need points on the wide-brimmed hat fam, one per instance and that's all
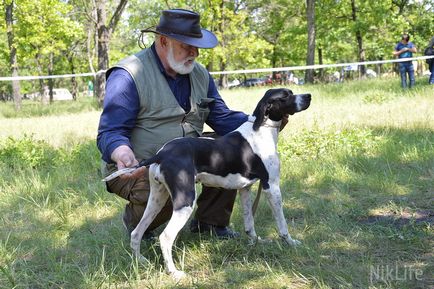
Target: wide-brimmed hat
(184, 25)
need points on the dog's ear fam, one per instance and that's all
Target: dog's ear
(261, 109)
(260, 113)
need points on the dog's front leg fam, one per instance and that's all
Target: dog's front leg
(249, 223)
(274, 197)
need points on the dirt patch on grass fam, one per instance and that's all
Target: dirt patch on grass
(400, 218)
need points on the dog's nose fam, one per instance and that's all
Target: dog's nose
(305, 98)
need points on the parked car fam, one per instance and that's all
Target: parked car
(59, 94)
(234, 83)
(249, 82)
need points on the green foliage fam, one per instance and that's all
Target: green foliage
(32, 108)
(317, 144)
(43, 27)
(377, 97)
(26, 152)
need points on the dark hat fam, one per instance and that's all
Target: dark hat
(184, 25)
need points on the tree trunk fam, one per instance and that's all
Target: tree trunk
(320, 61)
(73, 79)
(310, 59)
(12, 55)
(50, 72)
(44, 100)
(103, 47)
(104, 33)
(359, 39)
(223, 79)
(274, 61)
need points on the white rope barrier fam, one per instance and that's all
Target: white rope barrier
(318, 66)
(258, 70)
(9, 78)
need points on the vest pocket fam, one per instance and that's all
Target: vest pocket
(203, 113)
(203, 108)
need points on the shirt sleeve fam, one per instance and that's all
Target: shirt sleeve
(120, 109)
(221, 119)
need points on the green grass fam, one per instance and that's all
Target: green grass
(32, 108)
(357, 179)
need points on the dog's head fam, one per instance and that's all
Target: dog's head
(276, 103)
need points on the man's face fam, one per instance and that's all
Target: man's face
(181, 56)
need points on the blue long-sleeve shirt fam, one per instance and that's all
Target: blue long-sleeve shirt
(121, 106)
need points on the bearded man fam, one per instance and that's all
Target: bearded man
(154, 96)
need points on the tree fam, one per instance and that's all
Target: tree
(44, 32)
(104, 34)
(282, 24)
(310, 59)
(9, 8)
(359, 38)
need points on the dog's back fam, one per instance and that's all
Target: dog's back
(227, 162)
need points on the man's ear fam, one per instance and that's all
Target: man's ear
(164, 42)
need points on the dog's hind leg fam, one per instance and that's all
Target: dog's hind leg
(274, 197)
(249, 223)
(179, 178)
(167, 238)
(157, 199)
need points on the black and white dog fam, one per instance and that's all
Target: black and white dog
(234, 161)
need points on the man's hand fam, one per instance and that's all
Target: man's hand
(125, 158)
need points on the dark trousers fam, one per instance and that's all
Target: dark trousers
(404, 69)
(214, 205)
(431, 69)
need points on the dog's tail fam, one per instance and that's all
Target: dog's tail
(148, 162)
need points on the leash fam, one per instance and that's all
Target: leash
(258, 196)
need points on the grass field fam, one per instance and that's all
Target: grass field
(358, 185)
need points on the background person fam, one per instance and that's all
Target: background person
(430, 51)
(405, 49)
(154, 96)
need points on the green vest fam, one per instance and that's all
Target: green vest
(161, 118)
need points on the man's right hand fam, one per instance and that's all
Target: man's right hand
(124, 157)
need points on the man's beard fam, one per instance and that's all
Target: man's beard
(180, 67)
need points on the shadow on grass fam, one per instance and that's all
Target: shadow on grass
(341, 204)
(62, 229)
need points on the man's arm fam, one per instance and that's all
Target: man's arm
(412, 48)
(121, 105)
(398, 51)
(221, 119)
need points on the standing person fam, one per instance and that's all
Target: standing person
(154, 96)
(405, 49)
(430, 51)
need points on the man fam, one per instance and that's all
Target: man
(405, 49)
(154, 96)
(429, 51)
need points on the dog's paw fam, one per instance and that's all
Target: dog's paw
(252, 241)
(264, 241)
(178, 275)
(141, 259)
(291, 242)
